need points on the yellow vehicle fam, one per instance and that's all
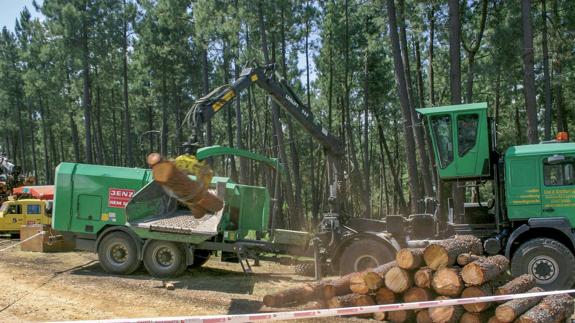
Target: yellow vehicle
(16, 213)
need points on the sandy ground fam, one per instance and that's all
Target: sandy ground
(72, 286)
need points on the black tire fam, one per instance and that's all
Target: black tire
(363, 254)
(200, 258)
(118, 254)
(551, 262)
(306, 269)
(165, 258)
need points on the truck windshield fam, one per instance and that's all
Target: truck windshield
(441, 129)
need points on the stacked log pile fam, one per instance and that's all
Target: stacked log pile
(446, 269)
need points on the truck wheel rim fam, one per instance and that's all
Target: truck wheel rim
(365, 262)
(164, 257)
(118, 253)
(544, 268)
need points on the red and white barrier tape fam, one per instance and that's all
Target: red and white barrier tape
(299, 315)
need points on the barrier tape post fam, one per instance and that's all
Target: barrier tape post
(294, 315)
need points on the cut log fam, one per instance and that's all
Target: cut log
(313, 305)
(554, 308)
(379, 316)
(519, 284)
(351, 300)
(511, 310)
(423, 277)
(469, 317)
(444, 253)
(303, 294)
(337, 287)
(494, 319)
(477, 291)
(357, 284)
(423, 317)
(465, 258)
(398, 280)
(399, 316)
(447, 282)
(483, 270)
(409, 259)
(375, 278)
(417, 294)
(445, 314)
(384, 296)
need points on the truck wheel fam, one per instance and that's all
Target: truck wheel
(165, 258)
(118, 254)
(200, 258)
(364, 254)
(551, 262)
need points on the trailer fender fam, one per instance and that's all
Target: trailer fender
(382, 238)
(555, 228)
(138, 240)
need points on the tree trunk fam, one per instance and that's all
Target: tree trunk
(484, 269)
(518, 285)
(395, 173)
(409, 258)
(472, 51)
(445, 314)
(86, 99)
(553, 308)
(33, 140)
(366, 196)
(477, 291)
(398, 280)
(447, 281)
(44, 120)
(164, 131)
(127, 117)
(529, 90)
(205, 91)
(509, 311)
(405, 108)
(444, 253)
(546, 76)
(423, 277)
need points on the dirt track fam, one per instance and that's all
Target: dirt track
(72, 286)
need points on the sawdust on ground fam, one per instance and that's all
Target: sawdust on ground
(72, 286)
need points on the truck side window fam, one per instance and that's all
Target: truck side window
(561, 174)
(441, 128)
(33, 209)
(466, 132)
(14, 209)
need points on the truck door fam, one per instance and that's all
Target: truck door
(558, 198)
(14, 216)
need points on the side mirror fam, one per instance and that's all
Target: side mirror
(555, 159)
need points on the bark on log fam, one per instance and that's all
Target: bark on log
(305, 293)
(477, 291)
(494, 319)
(484, 269)
(409, 259)
(399, 316)
(398, 280)
(357, 284)
(509, 311)
(352, 300)
(423, 277)
(423, 317)
(444, 253)
(447, 282)
(554, 308)
(417, 294)
(469, 317)
(374, 278)
(336, 287)
(384, 296)
(465, 258)
(445, 314)
(519, 284)
(313, 305)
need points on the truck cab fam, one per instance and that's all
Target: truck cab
(532, 189)
(15, 213)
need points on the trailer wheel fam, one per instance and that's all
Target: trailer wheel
(118, 254)
(364, 254)
(200, 258)
(165, 258)
(551, 262)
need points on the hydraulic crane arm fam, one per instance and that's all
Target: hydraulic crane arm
(206, 107)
